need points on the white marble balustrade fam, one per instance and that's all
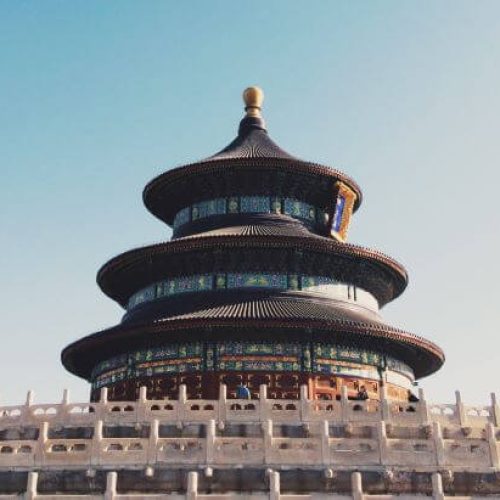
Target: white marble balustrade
(260, 410)
(317, 448)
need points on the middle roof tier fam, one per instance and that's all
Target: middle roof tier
(291, 257)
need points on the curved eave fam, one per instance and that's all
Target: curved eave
(156, 191)
(80, 357)
(126, 262)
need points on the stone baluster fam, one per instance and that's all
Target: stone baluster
(44, 432)
(31, 486)
(192, 486)
(111, 480)
(325, 442)
(102, 407)
(495, 410)
(345, 404)
(141, 405)
(423, 408)
(181, 405)
(103, 397)
(97, 443)
(438, 443)
(274, 485)
(98, 427)
(222, 405)
(262, 402)
(460, 409)
(30, 397)
(210, 442)
(62, 411)
(26, 412)
(267, 428)
(492, 443)
(437, 486)
(385, 405)
(154, 435)
(305, 403)
(182, 397)
(382, 442)
(357, 486)
(43, 436)
(65, 398)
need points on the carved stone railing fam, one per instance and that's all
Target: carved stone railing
(317, 448)
(272, 435)
(225, 410)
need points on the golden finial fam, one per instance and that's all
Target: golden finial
(253, 98)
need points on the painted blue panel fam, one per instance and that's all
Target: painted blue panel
(182, 217)
(255, 204)
(233, 205)
(299, 209)
(250, 204)
(339, 212)
(241, 280)
(276, 207)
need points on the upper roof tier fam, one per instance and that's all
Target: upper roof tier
(252, 165)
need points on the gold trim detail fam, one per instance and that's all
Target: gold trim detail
(253, 98)
(349, 196)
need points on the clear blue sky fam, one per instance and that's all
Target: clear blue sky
(96, 98)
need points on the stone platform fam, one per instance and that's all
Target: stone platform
(263, 448)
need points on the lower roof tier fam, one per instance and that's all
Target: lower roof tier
(231, 251)
(275, 318)
(174, 358)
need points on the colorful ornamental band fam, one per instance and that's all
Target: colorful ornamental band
(251, 204)
(311, 357)
(336, 224)
(210, 282)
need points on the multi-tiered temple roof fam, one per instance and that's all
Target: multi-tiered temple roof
(258, 285)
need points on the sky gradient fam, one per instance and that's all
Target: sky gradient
(97, 98)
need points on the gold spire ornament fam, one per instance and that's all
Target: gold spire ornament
(253, 98)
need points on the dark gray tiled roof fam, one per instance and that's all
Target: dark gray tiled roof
(256, 305)
(297, 316)
(255, 143)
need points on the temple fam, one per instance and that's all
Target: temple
(252, 361)
(258, 286)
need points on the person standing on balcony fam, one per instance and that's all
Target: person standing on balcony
(362, 393)
(242, 392)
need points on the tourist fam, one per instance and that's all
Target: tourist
(362, 393)
(242, 392)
